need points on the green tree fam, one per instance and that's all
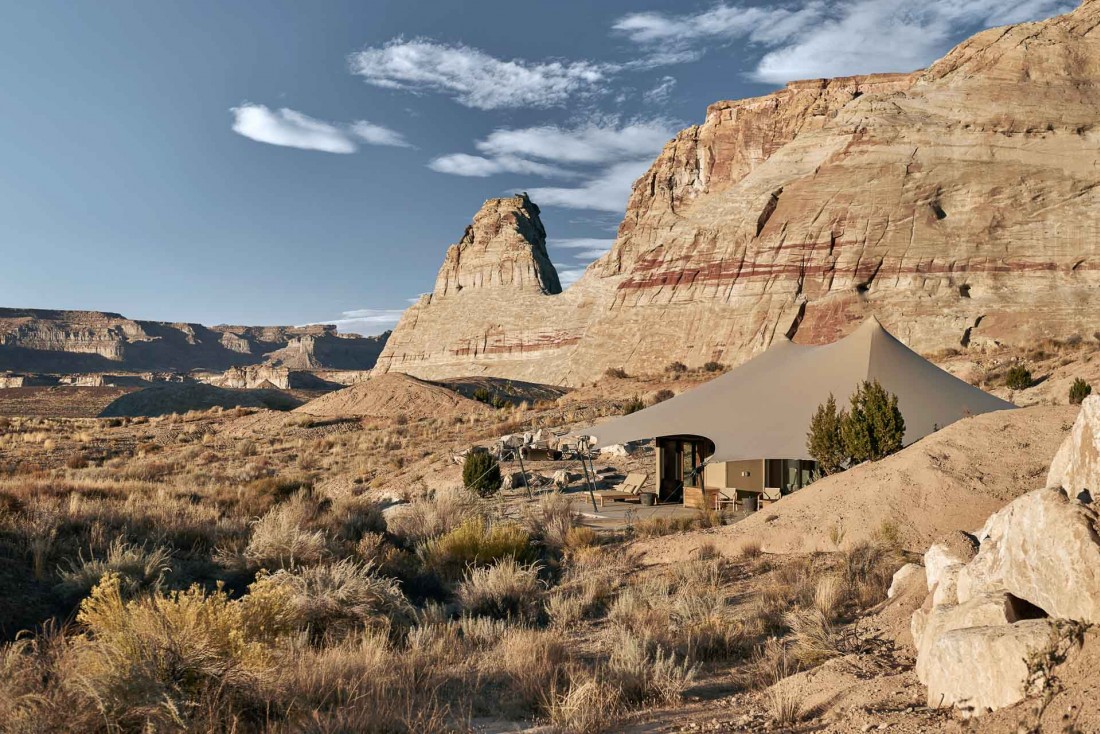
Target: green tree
(824, 441)
(873, 428)
(481, 473)
(1078, 391)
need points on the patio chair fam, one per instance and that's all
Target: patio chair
(628, 491)
(770, 495)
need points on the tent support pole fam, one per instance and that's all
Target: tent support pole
(523, 472)
(589, 482)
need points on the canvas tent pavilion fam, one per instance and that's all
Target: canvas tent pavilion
(744, 433)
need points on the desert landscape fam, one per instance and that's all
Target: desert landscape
(299, 529)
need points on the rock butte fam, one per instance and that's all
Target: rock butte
(957, 203)
(94, 341)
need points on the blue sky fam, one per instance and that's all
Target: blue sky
(298, 162)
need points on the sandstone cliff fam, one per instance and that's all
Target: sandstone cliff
(38, 340)
(957, 203)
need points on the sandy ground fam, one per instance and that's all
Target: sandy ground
(389, 395)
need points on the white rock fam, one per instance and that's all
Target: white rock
(984, 667)
(563, 478)
(1076, 466)
(946, 591)
(987, 610)
(1043, 548)
(902, 577)
(617, 449)
(954, 548)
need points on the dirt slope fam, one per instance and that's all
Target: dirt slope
(390, 394)
(951, 480)
(180, 398)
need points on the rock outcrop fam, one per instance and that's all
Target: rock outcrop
(67, 342)
(1036, 573)
(1076, 466)
(959, 204)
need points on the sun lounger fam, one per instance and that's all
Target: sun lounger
(628, 491)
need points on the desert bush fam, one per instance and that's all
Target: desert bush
(587, 706)
(633, 405)
(531, 662)
(351, 517)
(482, 633)
(157, 662)
(552, 520)
(813, 640)
(476, 543)
(368, 684)
(647, 674)
(428, 517)
(873, 427)
(278, 488)
(784, 700)
(827, 597)
(661, 396)
(135, 566)
(617, 373)
(506, 590)
(1078, 391)
(713, 367)
(281, 540)
(824, 441)
(76, 461)
(1018, 377)
(866, 570)
(481, 473)
(333, 600)
(749, 549)
(676, 368)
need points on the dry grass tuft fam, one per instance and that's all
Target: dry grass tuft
(281, 540)
(136, 567)
(587, 706)
(507, 590)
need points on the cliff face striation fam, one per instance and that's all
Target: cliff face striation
(958, 204)
(38, 340)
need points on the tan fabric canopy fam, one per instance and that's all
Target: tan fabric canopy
(762, 409)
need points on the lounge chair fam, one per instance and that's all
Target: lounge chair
(628, 491)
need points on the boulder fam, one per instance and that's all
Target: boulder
(512, 480)
(988, 610)
(984, 667)
(1042, 548)
(1076, 466)
(905, 576)
(618, 449)
(563, 478)
(952, 550)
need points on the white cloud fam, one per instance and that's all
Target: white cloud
(580, 243)
(289, 128)
(596, 142)
(587, 248)
(462, 164)
(374, 134)
(822, 38)
(881, 35)
(590, 254)
(569, 276)
(293, 129)
(660, 93)
(474, 78)
(365, 320)
(606, 191)
(605, 155)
